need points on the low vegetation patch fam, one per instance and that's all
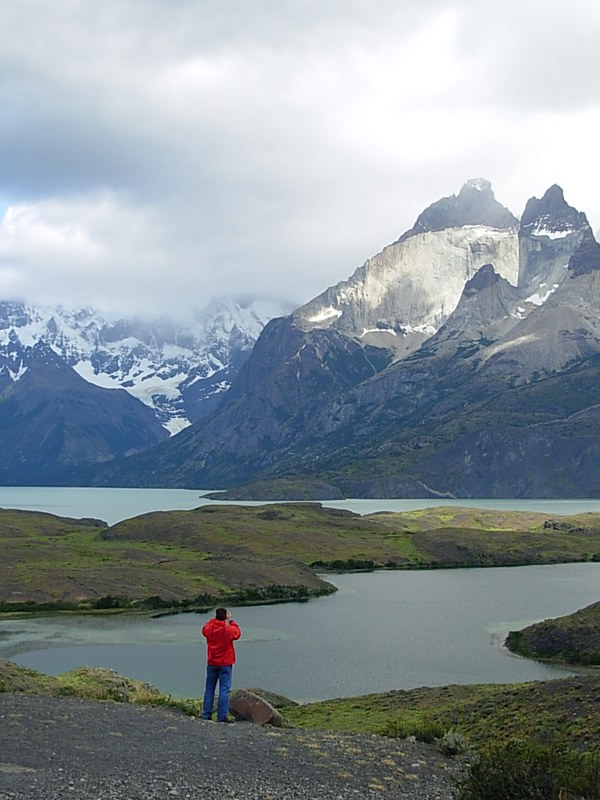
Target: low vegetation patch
(566, 710)
(92, 683)
(520, 770)
(270, 553)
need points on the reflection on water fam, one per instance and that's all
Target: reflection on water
(380, 631)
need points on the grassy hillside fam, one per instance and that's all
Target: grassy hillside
(324, 538)
(92, 683)
(49, 562)
(566, 710)
(261, 553)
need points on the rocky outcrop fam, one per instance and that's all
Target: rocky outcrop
(475, 204)
(249, 707)
(551, 232)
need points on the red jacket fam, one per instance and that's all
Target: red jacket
(220, 637)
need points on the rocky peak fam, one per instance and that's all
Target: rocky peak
(551, 233)
(475, 204)
(483, 314)
(483, 279)
(551, 216)
(13, 314)
(402, 295)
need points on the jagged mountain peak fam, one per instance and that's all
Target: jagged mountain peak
(551, 233)
(402, 295)
(484, 313)
(475, 204)
(483, 279)
(551, 215)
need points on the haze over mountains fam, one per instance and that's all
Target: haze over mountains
(462, 360)
(59, 368)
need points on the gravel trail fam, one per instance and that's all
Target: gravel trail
(54, 748)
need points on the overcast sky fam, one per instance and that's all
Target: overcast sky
(155, 153)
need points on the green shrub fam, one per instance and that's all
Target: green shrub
(423, 730)
(522, 770)
(452, 743)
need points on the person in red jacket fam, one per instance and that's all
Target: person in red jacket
(220, 633)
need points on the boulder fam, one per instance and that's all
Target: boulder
(250, 707)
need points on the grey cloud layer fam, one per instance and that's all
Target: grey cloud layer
(156, 153)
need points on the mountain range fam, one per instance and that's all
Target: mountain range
(60, 367)
(460, 361)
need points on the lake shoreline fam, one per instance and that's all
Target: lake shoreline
(116, 504)
(424, 614)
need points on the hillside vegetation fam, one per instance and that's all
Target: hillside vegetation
(572, 639)
(564, 710)
(260, 553)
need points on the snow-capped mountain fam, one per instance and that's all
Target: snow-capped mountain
(461, 360)
(179, 369)
(498, 398)
(401, 296)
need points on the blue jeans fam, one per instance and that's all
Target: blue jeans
(223, 675)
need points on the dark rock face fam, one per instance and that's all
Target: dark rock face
(53, 424)
(587, 256)
(553, 211)
(551, 233)
(475, 204)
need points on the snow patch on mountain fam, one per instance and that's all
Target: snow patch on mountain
(538, 299)
(366, 331)
(542, 230)
(326, 315)
(17, 374)
(479, 184)
(167, 365)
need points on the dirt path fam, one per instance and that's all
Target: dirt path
(56, 748)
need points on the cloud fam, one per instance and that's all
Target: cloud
(155, 154)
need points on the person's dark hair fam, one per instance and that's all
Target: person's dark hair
(221, 613)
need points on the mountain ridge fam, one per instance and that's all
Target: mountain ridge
(396, 429)
(462, 360)
(78, 389)
(179, 369)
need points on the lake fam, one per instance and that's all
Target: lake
(380, 631)
(114, 505)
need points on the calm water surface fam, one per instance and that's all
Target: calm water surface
(380, 631)
(114, 505)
